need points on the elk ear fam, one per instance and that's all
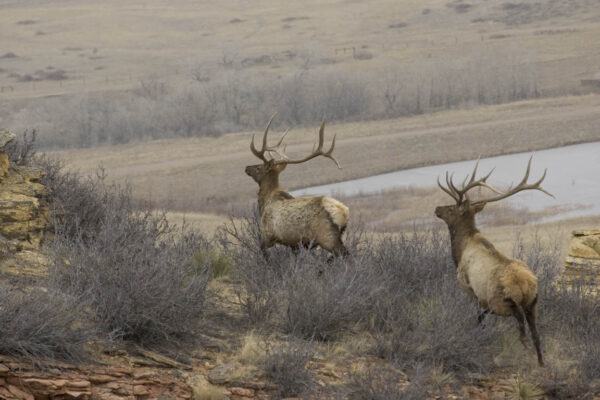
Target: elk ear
(478, 207)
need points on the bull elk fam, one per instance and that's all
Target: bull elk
(503, 286)
(306, 221)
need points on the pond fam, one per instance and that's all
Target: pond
(573, 177)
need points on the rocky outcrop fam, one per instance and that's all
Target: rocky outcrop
(583, 260)
(56, 380)
(19, 381)
(24, 215)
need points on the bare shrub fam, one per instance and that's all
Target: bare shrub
(398, 289)
(285, 364)
(434, 330)
(325, 299)
(257, 295)
(363, 55)
(235, 100)
(137, 273)
(79, 203)
(138, 277)
(399, 25)
(460, 7)
(426, 317)
(40, 324)
(42, 75)
(568, 312)
(301, 293)
(482, 78)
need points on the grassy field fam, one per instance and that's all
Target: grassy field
(110, 45)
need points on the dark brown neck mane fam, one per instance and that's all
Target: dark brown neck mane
(460, 232)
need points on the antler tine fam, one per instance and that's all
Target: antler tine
(444, 189)
(452, 188)
(321, 134)
(318, 150)
(541, 189)
(259, 154)
(265, 148)
(474, 172)
(330, 156)
(264, 144)
(523, 185)
(470, 181)
(459, 193)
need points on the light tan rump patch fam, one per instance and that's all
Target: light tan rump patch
(338, 212)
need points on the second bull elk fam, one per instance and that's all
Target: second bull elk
(306, 221)
(503, 286)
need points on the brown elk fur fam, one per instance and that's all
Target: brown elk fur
(501, 285)
(306, 221)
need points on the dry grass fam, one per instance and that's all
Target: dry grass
(97, 43)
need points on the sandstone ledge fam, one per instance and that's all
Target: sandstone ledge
(19, 381)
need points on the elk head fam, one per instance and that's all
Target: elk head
(465, 209)
(268, 171)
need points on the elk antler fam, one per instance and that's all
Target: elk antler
(317, 151)
(270, 149)
(523, 185)
(459, 194)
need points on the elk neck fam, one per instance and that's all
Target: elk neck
(269, 189)
(461, 232)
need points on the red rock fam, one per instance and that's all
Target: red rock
(40, 384)
(111, 385)
(124, 390)
(81, 384)
(241, 391)
(140, 390)
(59, 382)
(5, 394)
(146, 382)
(236, 397)
(143, 374)
(120, 371)
(77, 394)
(20, 394)
(101, 378)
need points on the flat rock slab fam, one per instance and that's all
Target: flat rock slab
(222, 373)
(585, 244)
(6, 137)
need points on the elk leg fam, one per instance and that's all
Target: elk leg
(482, 315)
(340, 250)
(530, 315)
(520, 319)
(295, 250)
(264, 245)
